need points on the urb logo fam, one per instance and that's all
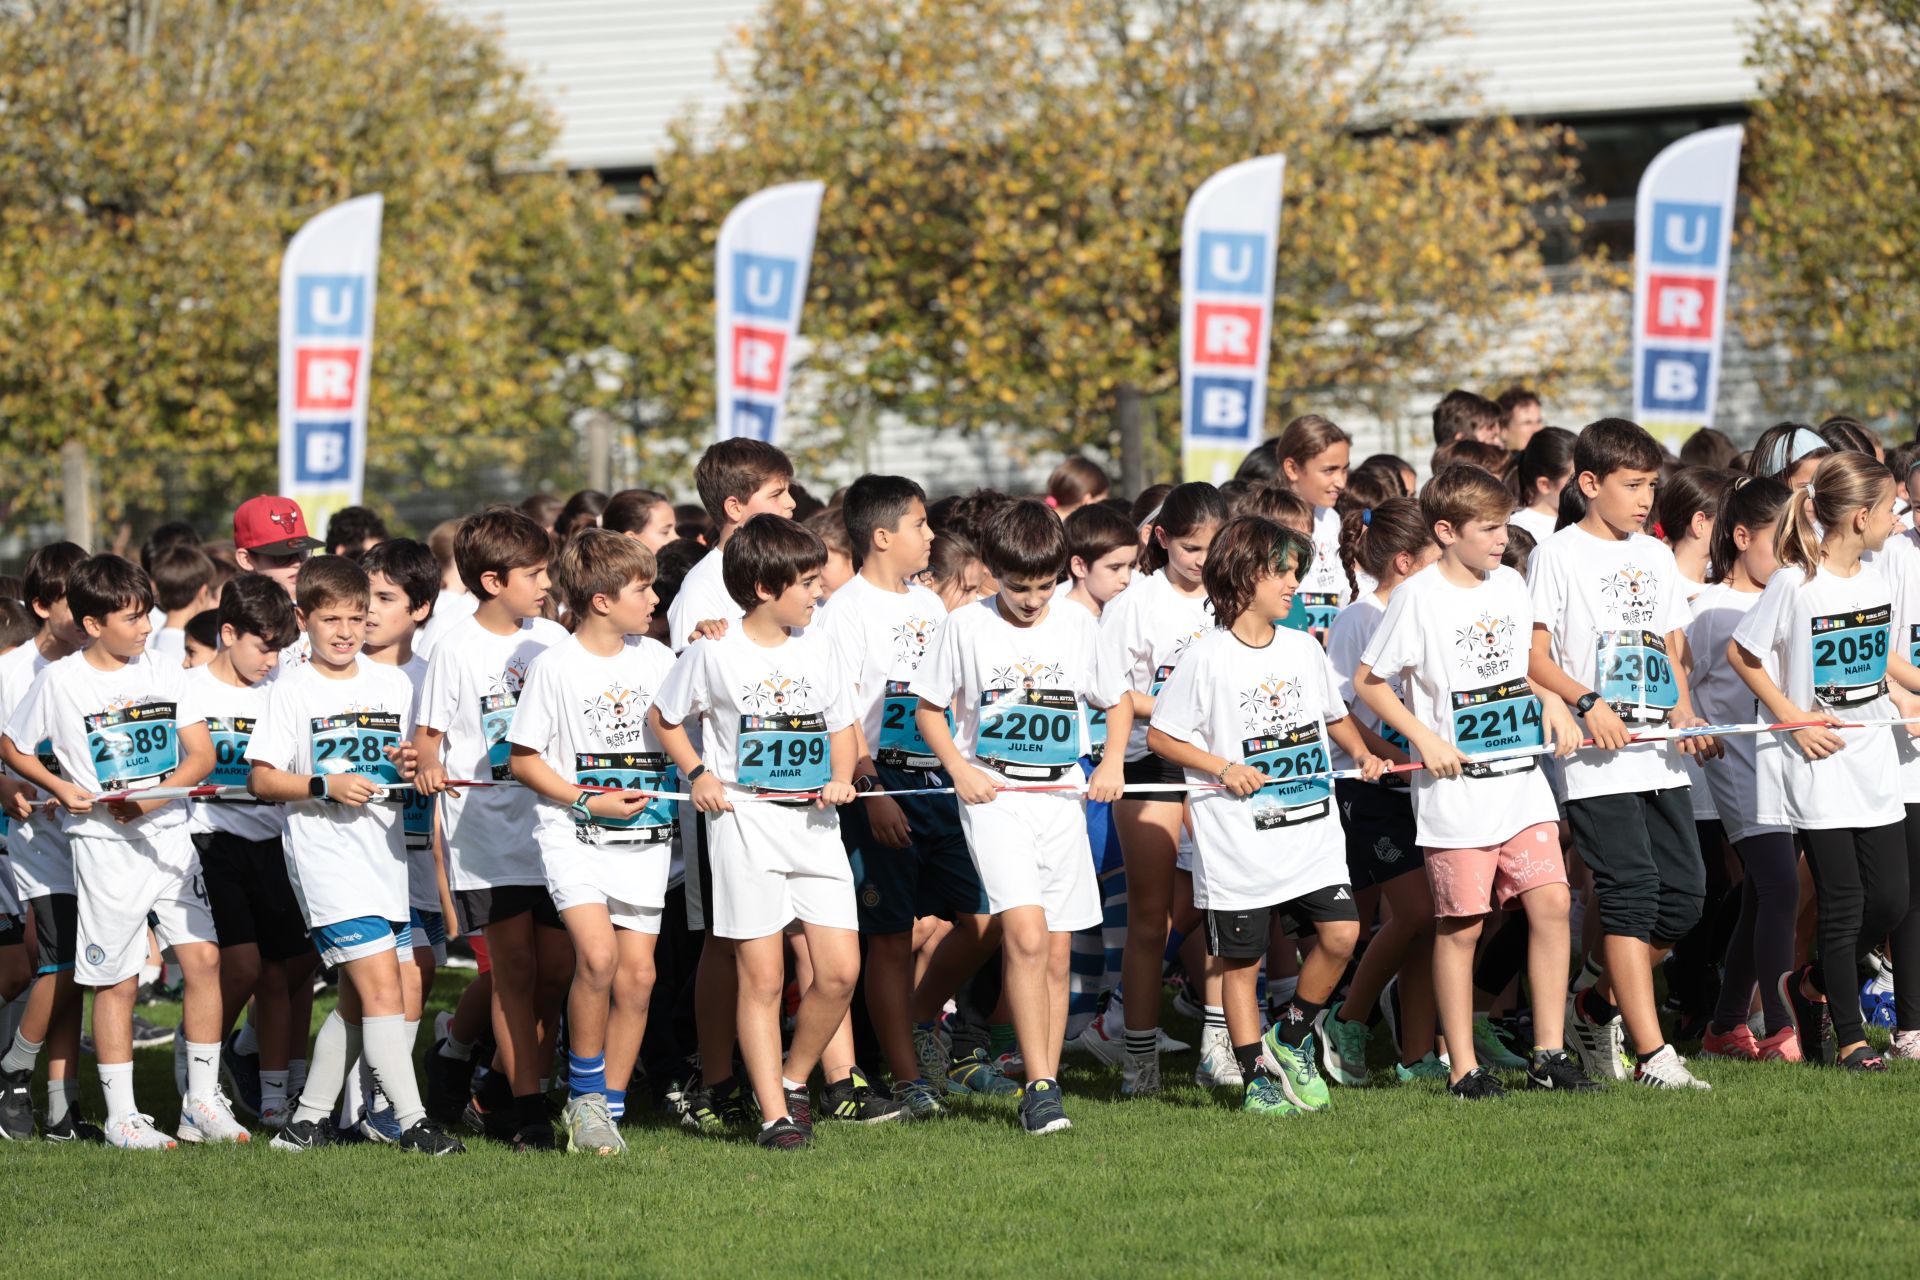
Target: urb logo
(326, 374)
(763, 287)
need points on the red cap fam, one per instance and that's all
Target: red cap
(272, 526)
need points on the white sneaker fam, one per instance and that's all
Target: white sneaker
(1186, 1006)
(136, 1133)
(1667, 1070)
(1599, 1045)
(276, 1117)
(210, 1119)
(1218, 1067)
(1906, 1044)
(1095, 1040)
(1167, 1044)
(1140, 1075)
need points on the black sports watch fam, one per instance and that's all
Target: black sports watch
(317, 787)
(1586, 702)
(865, 785)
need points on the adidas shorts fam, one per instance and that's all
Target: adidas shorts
(773, 864)
(429, 932)
(359, 938)
(1245, 935)
(118, 886)
(1031, 850)
(624, 915)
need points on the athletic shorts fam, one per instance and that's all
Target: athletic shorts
(356, 939)
(623, 915)
(1031, 851)
(499, 903)
(55, 919)
(13, 930)
(773, 864)
(10, 904)
(122, 886)
(1151, 769)
(1380, 831)
(1246, 935)
(250, 894)
(429, 932)
(1471, 882)
(933, 876)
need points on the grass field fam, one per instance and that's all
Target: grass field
(1778, 1171)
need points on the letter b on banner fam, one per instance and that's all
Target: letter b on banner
(1220, 406)
(1675, 380)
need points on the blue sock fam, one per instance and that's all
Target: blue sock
(617, 1103)
(586, 1075)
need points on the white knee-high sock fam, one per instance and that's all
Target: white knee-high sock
(337, 1045)
(388, 1043)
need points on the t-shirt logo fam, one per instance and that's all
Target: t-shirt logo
(1633, 592)
(618, 714)
(1027, 674)
(1274, 703)
(777, 693)
(1486, 643)
(910, 641)
(512, 678)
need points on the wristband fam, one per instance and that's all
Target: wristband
(694, 774)
(581, 815)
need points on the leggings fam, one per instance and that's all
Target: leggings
(1761, 948)
(1906, 936)
(1861, 884)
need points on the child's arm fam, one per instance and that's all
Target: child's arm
(1815, 742)
(709, 793)
(430, 771)
(842, 750)
(969, 783)
(1604, 725)
(16, 798)
(72, 798)
(277, 786)
(884, 814)
(1346, 733)
(1109, 780)
(1441, 757)
(1237, 776)
(1680, 658)
(195, 763)
(533, 772)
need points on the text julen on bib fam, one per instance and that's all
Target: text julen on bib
(1635, 675)
(901, 745)
(358, 742)
(496, 722)
(1850, 656)
(1500, 717)
(1289, 758)
(230, 735)
(784, 752)
(1029, 734)
(633, 771)
(134, 747)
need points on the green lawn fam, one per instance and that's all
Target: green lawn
(1779, 1170)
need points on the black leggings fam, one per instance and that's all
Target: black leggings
(1761, 948)
(1906, 936)
(1861, 884)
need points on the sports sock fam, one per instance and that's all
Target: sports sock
(180, 1063)
(273, 1091)
(1000, 1039)
(1213, 1016)
(60, 1096)
(1644, 1058)
(116, 1082)
(353, 1095)
(296, 1076)
(1141, 1044)
(791, 1086)
(1589, 974)
(22, 1055)
(388, 1044)
(1596, 1008)
(246, 1042)
(337, 1045)
(203, 1069)
(617, 1103)
(529, 1109)
(586, 1075)
(1296, 1020)
(1248, 1056)
(149, 974)
(459, 1051)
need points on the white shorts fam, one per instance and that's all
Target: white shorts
(116, 883)
(774, 863)
(624, 915)
(1031, 850)
(42, 860)
(635, 874)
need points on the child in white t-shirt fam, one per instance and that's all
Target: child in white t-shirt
(582, 722)
(1313, 454)
(1457, 636)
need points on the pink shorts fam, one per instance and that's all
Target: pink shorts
(1469, 882)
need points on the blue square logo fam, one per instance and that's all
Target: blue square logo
(322, 452)
(763, 286)
(1674, 380)
(330, 307)
(1221, 409)
(1232, 262)
(753, 420)
(1684, 234)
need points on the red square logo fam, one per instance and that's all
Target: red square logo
(1681, 306)
(759, 358)
(325, 377)
(1226, 335)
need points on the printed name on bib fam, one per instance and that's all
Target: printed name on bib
(357, 742)
(134, 747)
(230, 736)
(1635, 675)
(416, 818)
(1029, 733)
(1850, 656)
(901, 745)
(1500, 717)
(636, 771)
(785, 752)
(1290, 758)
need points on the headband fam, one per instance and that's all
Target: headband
(1789, 449)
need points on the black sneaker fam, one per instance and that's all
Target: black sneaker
(715, 1111)
(489, 1122)
(72, 1129)
(243, 1077)
(1478, 1085)
(429, 1139)
(1040, 1109)
(800, 1107)
(856, 1100)
(449, 1085)
(784, 1135)
(150, 1035)
(16, 1106)
(1811, 1019)
(304, 1135)
(1863, 1058)
(1515, 1035)
(1555, 1069)
(534, 1137)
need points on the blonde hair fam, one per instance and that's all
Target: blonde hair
(1843, 484)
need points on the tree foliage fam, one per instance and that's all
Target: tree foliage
(1833, 219)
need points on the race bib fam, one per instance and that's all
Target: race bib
(1850, 656)
(1029, 733)
(416, 819)
(230, 736)
(43, 752)
(1313, 612)
(1913, 644)
(1096, 732)
(1500, 717)
(134, 747)
(1636, 676)
(636, 771)
(357, 742)
(1160, 675)
(1290, 758)
(784, 753)
(496, 721)
(901, 745)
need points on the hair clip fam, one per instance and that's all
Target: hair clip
(1366, 515)
(1809, 491)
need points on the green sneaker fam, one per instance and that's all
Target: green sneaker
(1488, 1047)
(977, 1073)
(1343, 1047)
(1265, 1098)
(918, 1098)
(1428, 1068)
(1294, 1070)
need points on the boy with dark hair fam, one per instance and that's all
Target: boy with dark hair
(1466, 415)
(466, 711)
(1019, 674)
(355, 529)
(1520, 414)
(1609, 639)
(114, 717)
(203, 636)
(776, 716)
(182, 587)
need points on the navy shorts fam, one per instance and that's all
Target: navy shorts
(935, 876)
(1380, 831)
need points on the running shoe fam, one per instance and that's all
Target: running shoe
(976, 1073)
(303, 1135)
(1186, 1006)
(1597, 1044)
(136, 1133)
(1490, 1049)
(1555, 1069)
(1265, 1098)
(715, 1112)
(1811, 1018)
(800, 1107)
(931, 1050)
(429, 1139)
(1040, 1109)
(275, 1116)
(380, 1126)
(489, 1122)
(1167, 1044)
(1428, 1068)
(1140, 1075)
(855, 1100)
(242, 1072)
(1104, 1043)
(151, 1035)
(1343, 1046)
(449, 1084)
(1863, 1058)
(1738, 1044)
(1218, 1067)
(1478, 1085)
(70, 1128)
(919, 1100)
(1011, 1065)
(1295, 1070)
(1782, 1046)
(1667, 1070)
(210, 1119)
(590, 1127)
(16, 1105)
(1906, 1044)
(537, 1136)
(784, 1135)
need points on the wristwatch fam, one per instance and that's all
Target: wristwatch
(1586, 702)
(317, 787)
(694, 775)
(579, 809)
(866, 784)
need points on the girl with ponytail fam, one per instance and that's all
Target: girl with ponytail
(1313, 453)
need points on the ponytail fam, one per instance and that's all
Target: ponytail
(1844, 483)
(1747, 502)
(1371, 540)
(1188, 507)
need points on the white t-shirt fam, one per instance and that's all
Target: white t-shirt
(765, 714)
(880, 638)
(1325, 590)
(416, 814)
(1830, 637)
(232, 712)
(39, 838)
(111, 731)
(1269, 707)
(586, 716)
(1745, 782)
(1143, 632)
(450, 609)
(1538, 523)
(473, 682)
(1623, 599)
(168, 644)
(345, 861)
(703, 597)
(1345, 643)
(1463, 653)
(1899, 561)
(1018, 695)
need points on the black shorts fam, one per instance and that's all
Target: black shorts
(481, 907)
(1245, 935)
(13, 931)
(1151, 768)
(251, 896)
(1649, 879)
(56, 922)
(1380, 832)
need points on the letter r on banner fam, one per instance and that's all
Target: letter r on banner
(759, 359)
(1227, 335)
(1680, 306)
(325, 377)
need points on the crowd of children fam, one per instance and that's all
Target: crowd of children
(726, 800)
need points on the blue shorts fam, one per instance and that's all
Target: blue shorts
(361, 937)
(934, 876)
(1102, 835)
(429, 930)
